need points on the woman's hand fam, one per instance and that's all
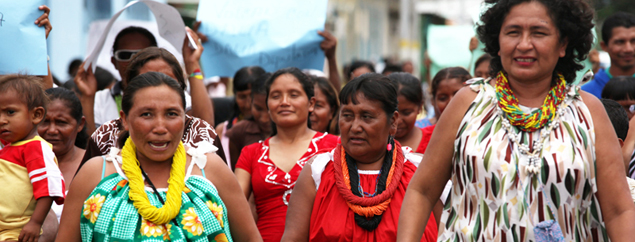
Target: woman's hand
(43, 20)
(328, 44)
(86, 81)
(202, 36)
(192, 56)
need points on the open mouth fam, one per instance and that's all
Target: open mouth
(158, 145)
(527, 60)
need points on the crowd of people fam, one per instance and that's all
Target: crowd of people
(516, 149)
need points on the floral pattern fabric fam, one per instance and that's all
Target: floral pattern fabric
(109, 214)
(494, 199)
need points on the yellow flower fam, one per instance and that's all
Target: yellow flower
(216, 210)
(166, 235)
(92, 206)
(150, 229)
(192, 223)
(221, 238)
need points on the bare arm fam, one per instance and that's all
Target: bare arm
(613, 193)
(239, 215)
(434, 171)
(43, 20)
(328, 45)
(31, 231)
(244, 180)
(201, 103)
(300, 206)
(629, 144)
(87, 86)
(83, 185)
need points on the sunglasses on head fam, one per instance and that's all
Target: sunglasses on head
(125, 55)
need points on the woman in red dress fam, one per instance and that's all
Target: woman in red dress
(354, 192)
(444, 85)
(270, 168)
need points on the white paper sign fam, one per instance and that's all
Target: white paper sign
(169, 23)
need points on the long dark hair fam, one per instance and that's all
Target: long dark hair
(242, 82)
(152, 53)
(334, 103)
(71, 101)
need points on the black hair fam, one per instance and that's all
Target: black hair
(152, 53)
(258, 86)
(619, 88)
(392, 69)
(408, 86)
(619, 19)
(305, 82)
(148, 79)
(483, 58)
(72, 102)
(618, 117)
(331, 96)
(374, 87)
(242, 81)
(459, 73)
(133, 30)
(73, 66)
(573, 20)
(358, 64)
(104, 78)
(245, 76)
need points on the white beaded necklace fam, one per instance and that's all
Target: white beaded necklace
(534, 164)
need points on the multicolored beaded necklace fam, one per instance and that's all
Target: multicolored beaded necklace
(529, 122)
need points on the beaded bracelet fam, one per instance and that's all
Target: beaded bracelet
(197, 74)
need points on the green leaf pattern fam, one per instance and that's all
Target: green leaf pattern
(488, 202)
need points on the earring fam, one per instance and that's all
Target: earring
(389, 146)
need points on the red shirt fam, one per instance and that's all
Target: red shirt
(333, 220)
(426, 134)
(271, 186)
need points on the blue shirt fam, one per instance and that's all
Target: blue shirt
(596, 85)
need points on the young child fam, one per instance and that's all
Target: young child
(29, 177)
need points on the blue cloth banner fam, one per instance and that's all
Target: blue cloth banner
(273, 34)
(22, 42)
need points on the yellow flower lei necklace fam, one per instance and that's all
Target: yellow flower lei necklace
(176, 184)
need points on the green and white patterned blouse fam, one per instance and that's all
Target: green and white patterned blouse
(494, 199)
(109, 215)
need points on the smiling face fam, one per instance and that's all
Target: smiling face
(60, 128)
(408, 112)
(322, 113)
(155, 122)
(17, 122)
(621, 48)
(288, 104)
(529, 43)
(365, 128)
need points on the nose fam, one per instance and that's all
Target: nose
(525, 43)
(630, 47)
(51, 128)
(160, 126)
(356, 127)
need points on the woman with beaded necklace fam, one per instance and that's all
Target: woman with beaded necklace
(354, 192)
(112, 202)
(530, 158)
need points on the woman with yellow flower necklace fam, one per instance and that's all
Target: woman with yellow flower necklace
(124, 198)
(531, 157)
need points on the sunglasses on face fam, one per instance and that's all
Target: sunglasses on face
(125, 55)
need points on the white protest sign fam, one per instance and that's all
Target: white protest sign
(169, 23)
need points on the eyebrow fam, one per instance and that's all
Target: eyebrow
(516, 26)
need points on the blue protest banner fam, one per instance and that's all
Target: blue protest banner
(272, 34)
(22, 42)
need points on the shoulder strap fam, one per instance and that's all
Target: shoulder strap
(199, 156)
(103, 167)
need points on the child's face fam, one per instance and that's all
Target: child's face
(17, 122)
(445, 92)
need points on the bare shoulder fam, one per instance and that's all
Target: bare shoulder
(594, 104)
